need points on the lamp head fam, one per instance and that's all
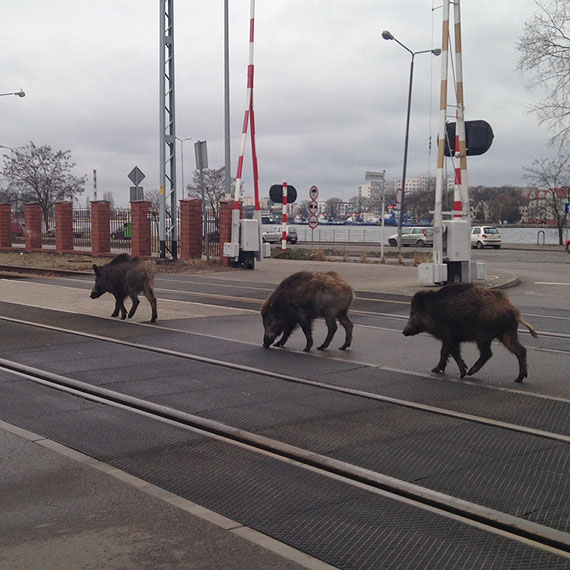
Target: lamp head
(387, 35)
(20, 93)
(436, 51)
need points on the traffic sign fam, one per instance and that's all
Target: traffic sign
(313, 192)
(567, 208)
(313, 207)
(313, 221)
(398, 196)
(136, 176)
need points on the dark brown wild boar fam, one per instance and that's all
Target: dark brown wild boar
(300, 299)
(466, 312)
(124, 277)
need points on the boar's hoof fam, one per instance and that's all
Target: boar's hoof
(521, 377)
(307, 348)
(438, 370)
(322, 347)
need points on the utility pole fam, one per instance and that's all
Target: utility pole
(168, 202)
(456, 265)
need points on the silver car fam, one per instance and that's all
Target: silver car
(274, 234)
(483, 236)
(418, 236)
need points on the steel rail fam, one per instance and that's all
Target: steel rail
(517, 528)
(307, 382)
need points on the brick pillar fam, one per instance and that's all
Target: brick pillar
(140, 218)
(5, 226)
(64, 227)
(100, 227)
(191, 229)
(33, 218)
(226, 209)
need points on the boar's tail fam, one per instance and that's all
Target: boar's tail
(528, 326)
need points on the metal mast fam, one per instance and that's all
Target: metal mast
(438, 214)
(458, 260)
(168, 233)
(228, 166)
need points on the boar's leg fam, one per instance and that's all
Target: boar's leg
(136, 302)
(286, 334)
(119, 306)
(306, 325)
(484, 345)
(511, 341)
(332, 327)
(443, 357)
(149, 294)
(452, 348)
(348, 326)
(456, 353)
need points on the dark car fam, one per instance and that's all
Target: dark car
(567, 246)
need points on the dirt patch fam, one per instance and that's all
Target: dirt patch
(84, 263)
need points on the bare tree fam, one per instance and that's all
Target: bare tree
(332, 206)
(545, 53)
(214, 188)
(552, 175)
(43, 175)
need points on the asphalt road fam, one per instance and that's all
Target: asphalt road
(216, 316)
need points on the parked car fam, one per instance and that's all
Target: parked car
(567, 246)
(51, 233)
(274, 234)
(418, 236)
(483, 236)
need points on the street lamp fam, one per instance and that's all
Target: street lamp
(388, 36)
(182, 158)
(17, 93)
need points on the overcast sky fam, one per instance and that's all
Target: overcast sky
(330, 94)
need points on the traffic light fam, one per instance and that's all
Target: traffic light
(276, 193)
(478, 138)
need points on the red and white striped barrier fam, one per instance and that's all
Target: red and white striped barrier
(284, 218)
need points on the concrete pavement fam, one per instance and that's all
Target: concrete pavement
(63, 510)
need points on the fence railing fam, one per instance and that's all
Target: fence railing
(120, 230)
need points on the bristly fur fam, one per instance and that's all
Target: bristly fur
(123, 277)
(301, 298)
(466, 312)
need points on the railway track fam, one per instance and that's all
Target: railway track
(358, 473)
(360, 442)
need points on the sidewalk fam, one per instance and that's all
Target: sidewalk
(374, 277)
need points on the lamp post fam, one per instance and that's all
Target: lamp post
(388, 36)
(182, 158)
(17, 93)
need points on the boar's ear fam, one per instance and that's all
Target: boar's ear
(418, 300)
(95, 269)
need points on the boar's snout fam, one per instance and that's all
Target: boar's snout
(96, 293)
(411, 328)
(268, 339)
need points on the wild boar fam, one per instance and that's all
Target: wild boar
(464, 312)
(123, 277)
(300, 299)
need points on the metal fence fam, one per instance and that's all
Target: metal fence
(121, 231)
